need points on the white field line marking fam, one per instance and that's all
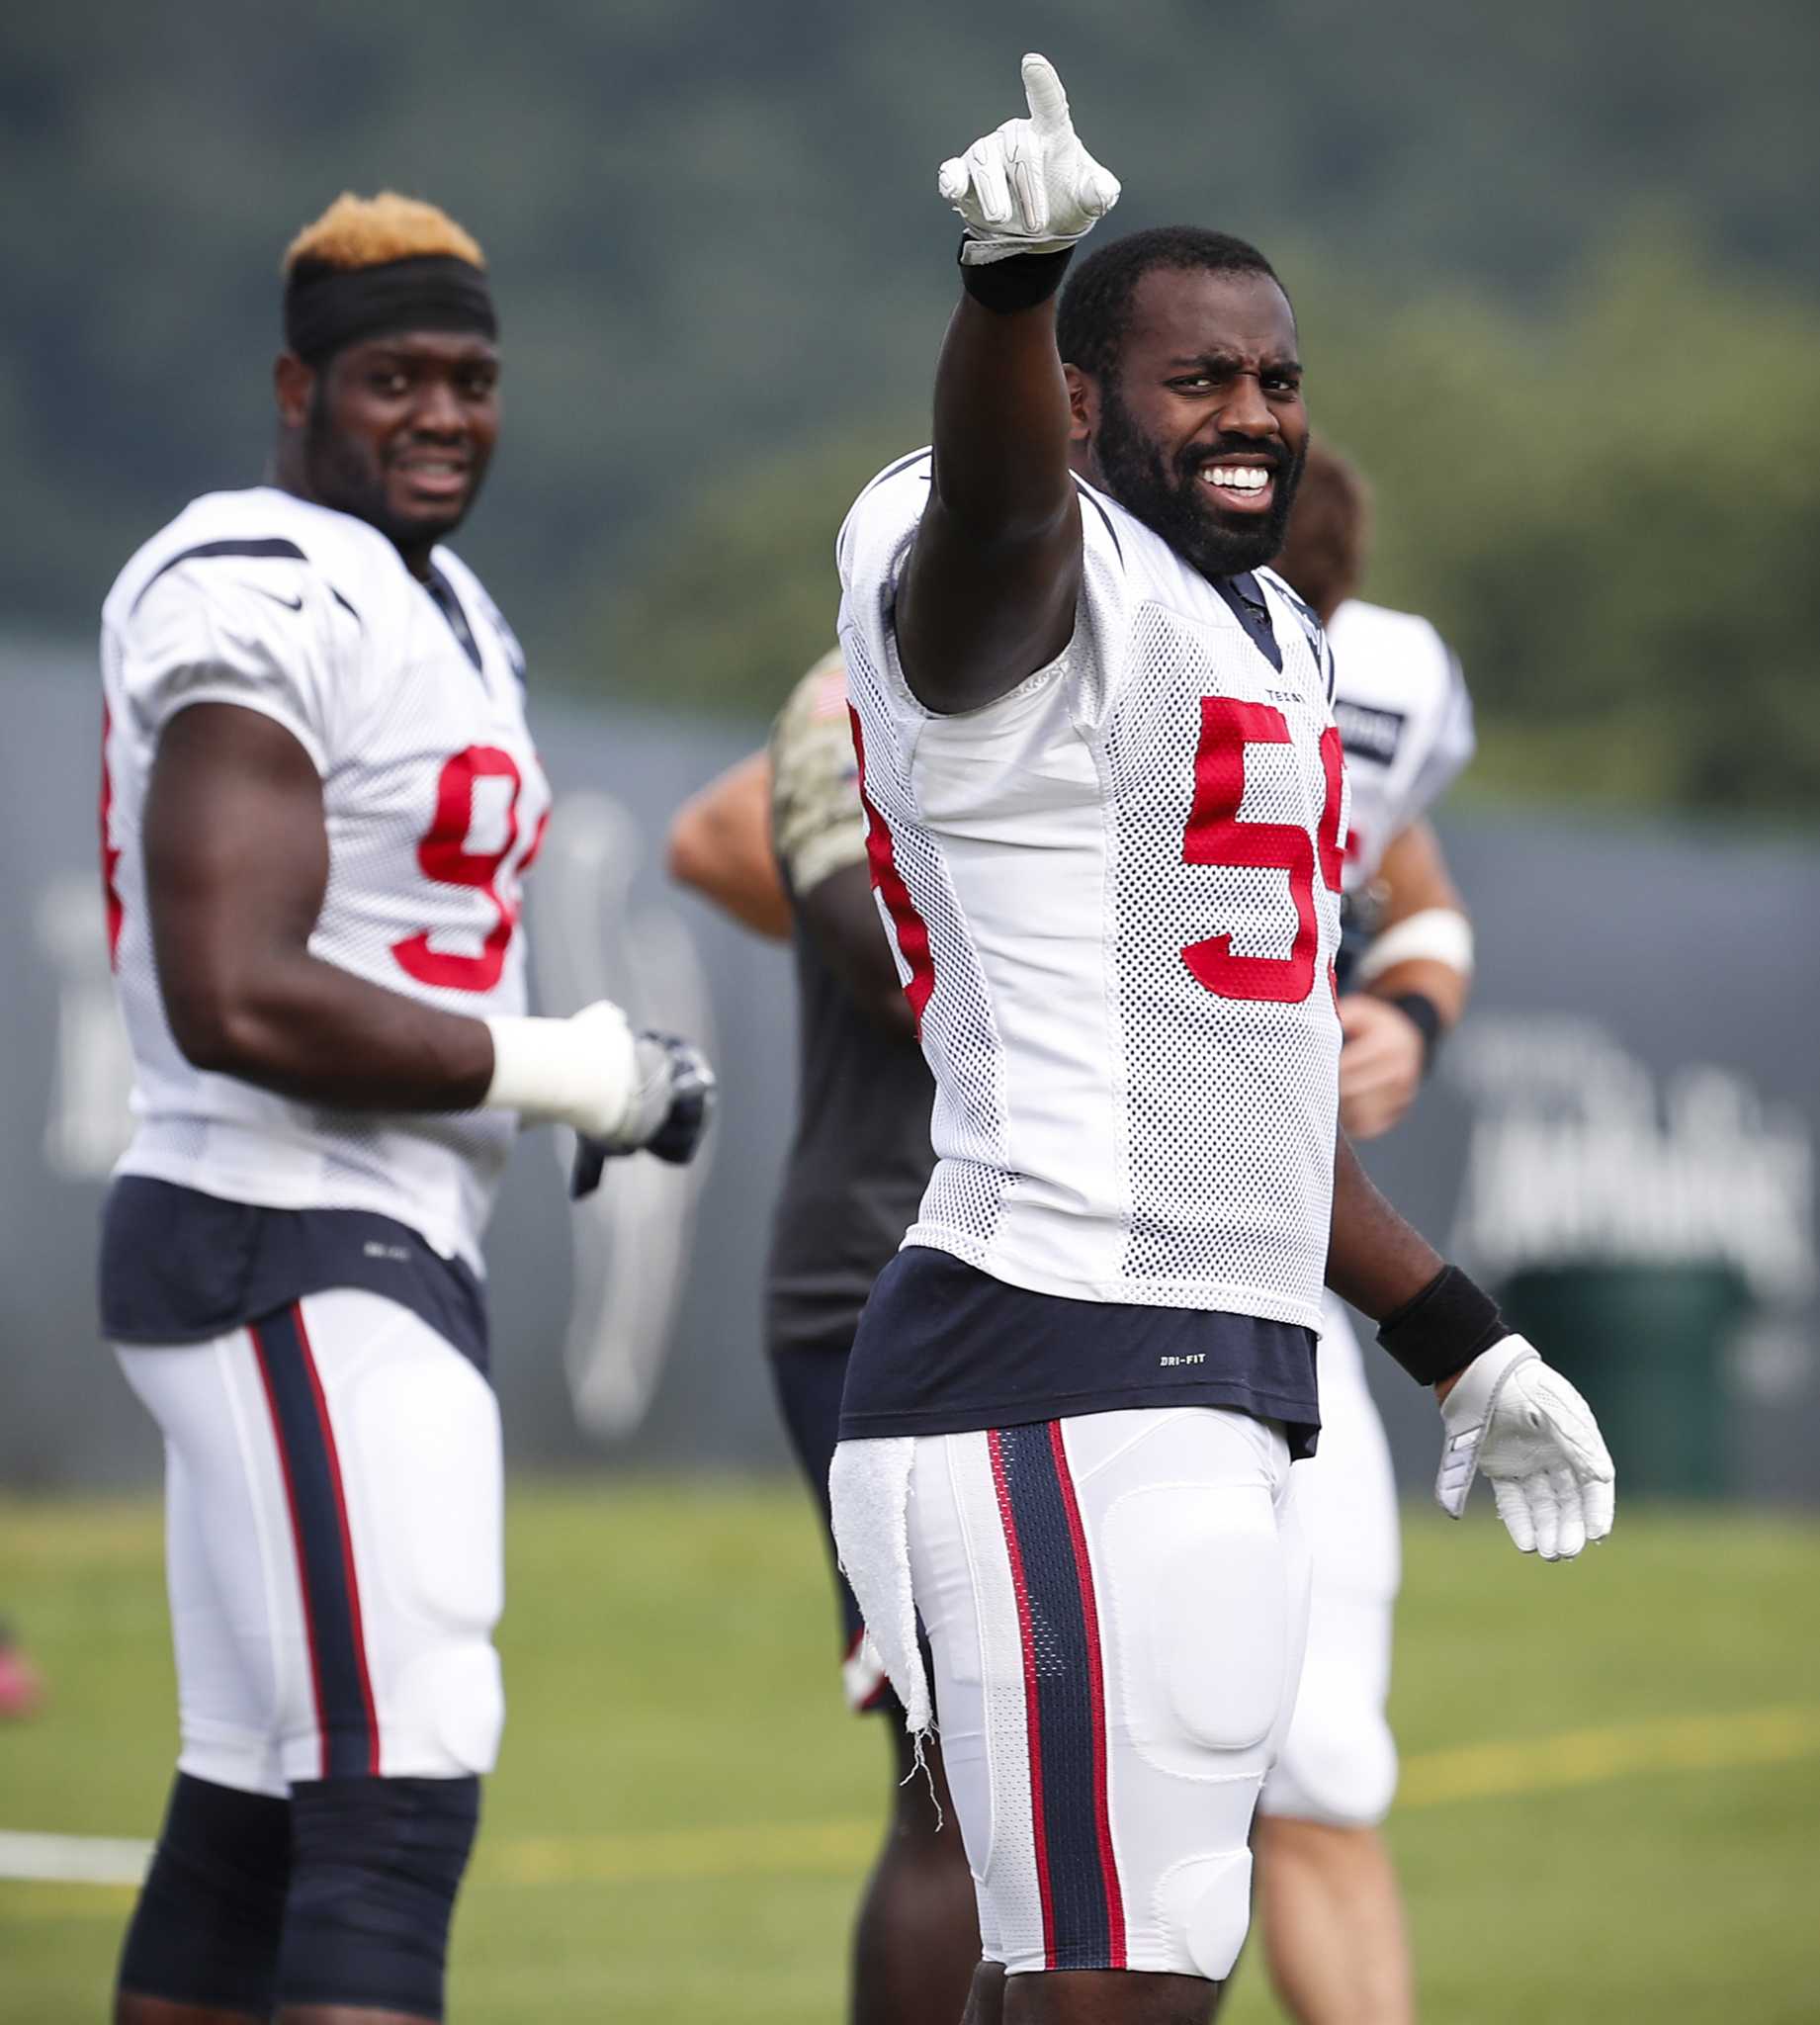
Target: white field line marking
(72, 1859)
(1544, 1764)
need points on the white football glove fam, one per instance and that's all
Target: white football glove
(1521, 1423)
(1029, 187)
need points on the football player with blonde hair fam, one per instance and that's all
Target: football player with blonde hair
(320, 798)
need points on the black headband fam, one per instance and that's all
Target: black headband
(327, 308)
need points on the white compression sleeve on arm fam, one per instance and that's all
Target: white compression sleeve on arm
(580, 1072)
(1437, 935)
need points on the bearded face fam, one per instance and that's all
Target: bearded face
(1221, 503)
(1196, 425)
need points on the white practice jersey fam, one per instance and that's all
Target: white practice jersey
(409, 700)
(1114, 895)
(1405, 720)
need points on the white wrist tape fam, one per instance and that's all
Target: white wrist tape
(580, 1072)
(1437, 935)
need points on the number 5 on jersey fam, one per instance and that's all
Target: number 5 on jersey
(1218, 836)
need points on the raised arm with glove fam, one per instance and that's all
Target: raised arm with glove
(1028, 185)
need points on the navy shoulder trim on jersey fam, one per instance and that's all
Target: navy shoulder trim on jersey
(1288, 591)
(892, 469)
(1318, 645)
(1086, 493)
(444, 597)
(269, 547)
(508, 639)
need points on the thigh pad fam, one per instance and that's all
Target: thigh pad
(1197, 1579)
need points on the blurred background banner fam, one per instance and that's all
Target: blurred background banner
(1622, 1136)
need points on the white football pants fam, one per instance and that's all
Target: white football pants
(1339, 1762)
(333, 1546)
(1115, 1605)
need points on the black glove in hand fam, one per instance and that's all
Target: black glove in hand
(688, 1080)
(669, 1114)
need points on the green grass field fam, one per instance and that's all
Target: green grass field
(1611, 1770)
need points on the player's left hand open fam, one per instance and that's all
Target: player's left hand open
(668, 1114)
(1521, 1424)
(1028, 185)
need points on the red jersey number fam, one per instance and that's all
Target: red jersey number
(447, 861)
(906, 923)
(110, 850)
(1217, 835)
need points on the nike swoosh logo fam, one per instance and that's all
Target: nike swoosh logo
(292, 604)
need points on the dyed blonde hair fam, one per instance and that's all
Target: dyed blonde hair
(368, 231)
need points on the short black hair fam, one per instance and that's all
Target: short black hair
(1095, 308)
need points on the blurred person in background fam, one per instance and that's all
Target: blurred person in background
(1332, 1917)
(779, 841)
(21, 1687)
(1103, 789)
(320, 795)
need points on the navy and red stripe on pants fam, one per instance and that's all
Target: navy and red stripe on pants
(1064, 1694)
(316, 1497)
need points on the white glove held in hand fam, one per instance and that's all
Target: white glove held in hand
(583, 1071)
(1521, 1423)
(1029, 187)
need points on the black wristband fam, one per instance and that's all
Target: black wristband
(1424, 1015)
(1448, 1323)
(1019, 282)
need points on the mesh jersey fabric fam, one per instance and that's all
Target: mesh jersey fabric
(859, 1155)
(1114, 895)
(434, 804)
(1405, 716)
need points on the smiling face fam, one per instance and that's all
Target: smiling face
(1201, 432)
(396, 430)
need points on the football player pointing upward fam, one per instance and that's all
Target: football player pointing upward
(1107, 817)
(320, 798)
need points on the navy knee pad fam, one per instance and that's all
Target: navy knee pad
(375, 1866)
(207, 1926)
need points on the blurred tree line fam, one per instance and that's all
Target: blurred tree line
(1609, 507)
(1555, 266)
